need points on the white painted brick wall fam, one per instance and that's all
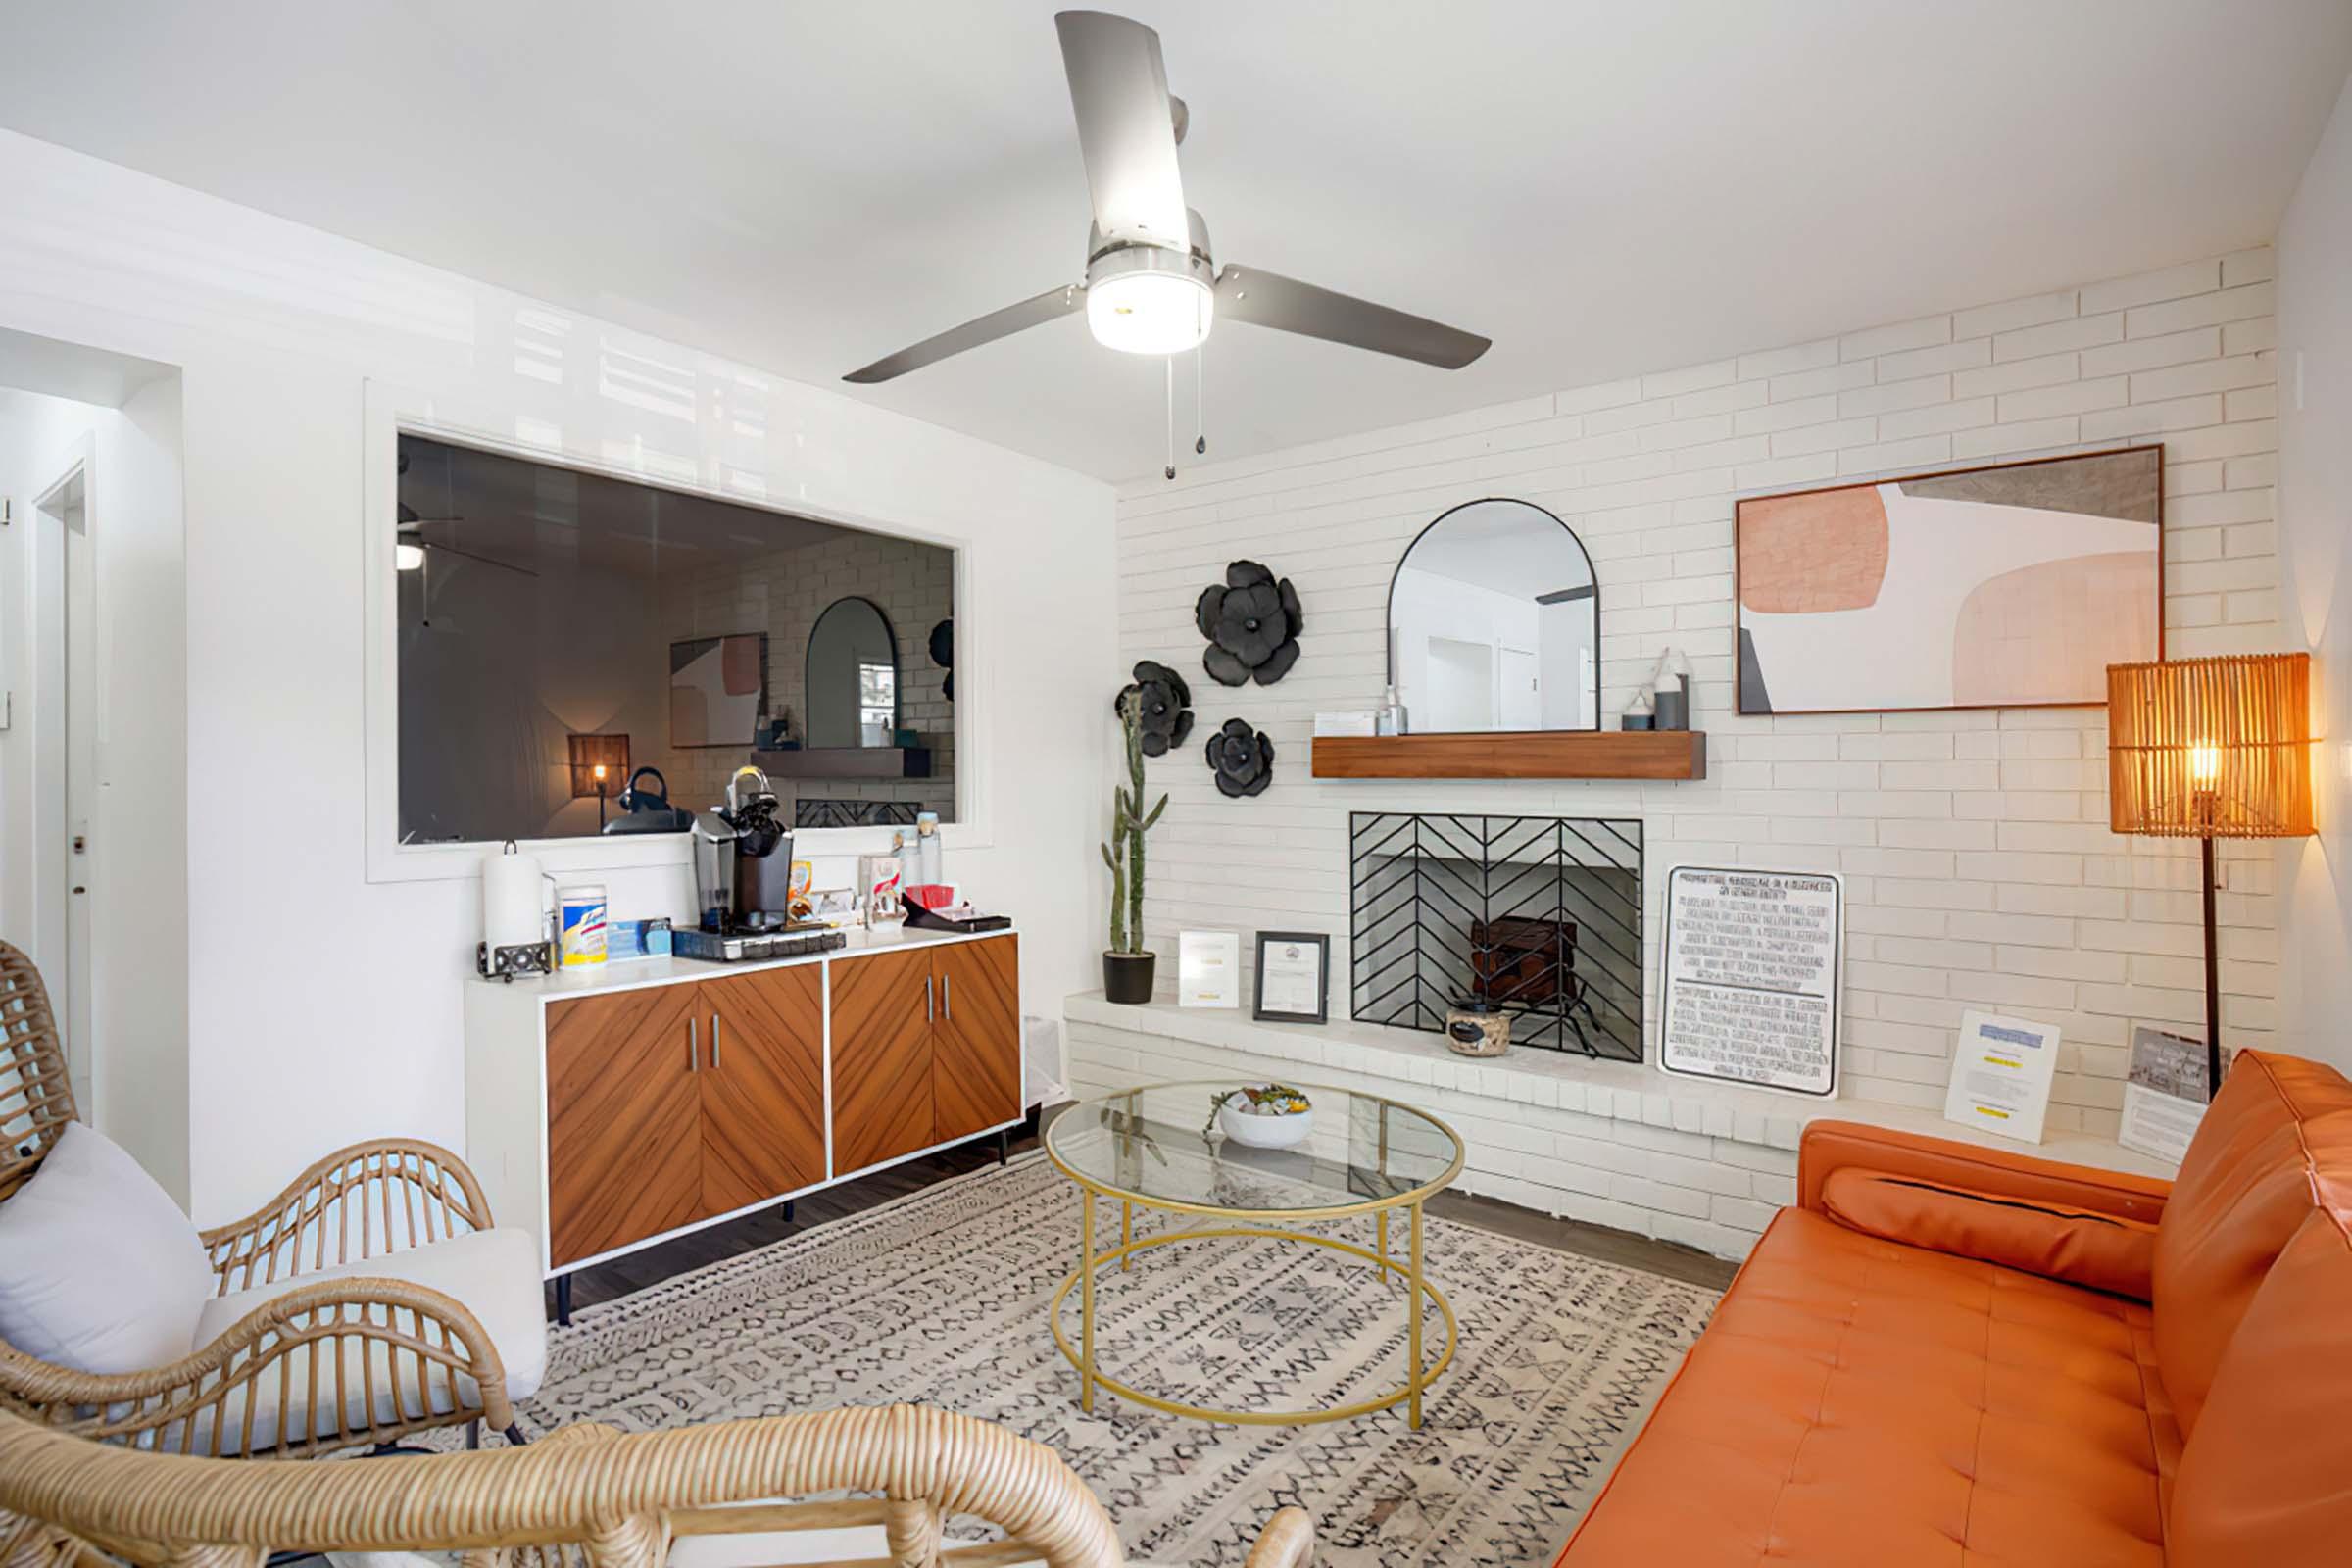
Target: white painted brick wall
(1979, 868)
(783, 594)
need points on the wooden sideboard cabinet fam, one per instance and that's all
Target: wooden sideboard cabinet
(976, 1040)
(927, 1048)
(624, 1112)
(626, 1106)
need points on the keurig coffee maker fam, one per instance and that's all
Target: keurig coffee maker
(743, 880)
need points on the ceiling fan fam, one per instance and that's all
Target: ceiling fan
(1152, 285)
(409, 551)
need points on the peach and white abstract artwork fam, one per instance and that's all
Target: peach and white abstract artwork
(716, 689)
(2009, 586)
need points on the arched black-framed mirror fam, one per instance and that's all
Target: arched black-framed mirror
(1493, 623)
(852, 675)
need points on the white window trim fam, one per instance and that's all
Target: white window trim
(389, 413)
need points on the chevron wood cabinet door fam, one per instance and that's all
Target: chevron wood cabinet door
(882, 1053)
(976, 1042)
(762, 1085)
(624, 1157)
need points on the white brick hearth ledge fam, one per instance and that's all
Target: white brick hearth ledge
(1611, 1142)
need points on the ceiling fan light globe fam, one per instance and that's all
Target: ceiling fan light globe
(1150, 311)
(408, 557)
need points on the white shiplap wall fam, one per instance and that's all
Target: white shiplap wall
(1980, 870)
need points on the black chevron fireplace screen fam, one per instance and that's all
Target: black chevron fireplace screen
(1541, 914)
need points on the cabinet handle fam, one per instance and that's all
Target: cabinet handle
(714, 1039)
(930, 1011)
(947, 995)
(694, 1048)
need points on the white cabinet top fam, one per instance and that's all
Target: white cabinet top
(629, 975)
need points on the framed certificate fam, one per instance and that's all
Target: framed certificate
(1294, 971)
(1208, 968)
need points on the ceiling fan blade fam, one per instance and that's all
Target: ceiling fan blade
(487, 561)
(1126, 127)
(1268, 299)
(1031, 312)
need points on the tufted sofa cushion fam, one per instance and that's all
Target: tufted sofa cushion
(2244, 1191)
(1859, 1401)
(2267, 1477)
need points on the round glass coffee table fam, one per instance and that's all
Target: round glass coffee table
(1162, 1147)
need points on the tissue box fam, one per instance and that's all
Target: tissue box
(636, 939)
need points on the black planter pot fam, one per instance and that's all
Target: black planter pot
(1127, 977)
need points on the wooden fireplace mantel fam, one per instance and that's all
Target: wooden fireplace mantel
(1657, 754)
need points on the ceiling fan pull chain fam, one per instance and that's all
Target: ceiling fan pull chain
(1201, 399)
(1169, 365)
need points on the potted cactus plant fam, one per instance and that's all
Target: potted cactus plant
(1127, 966)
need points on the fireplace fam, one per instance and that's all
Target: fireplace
(1541, 914)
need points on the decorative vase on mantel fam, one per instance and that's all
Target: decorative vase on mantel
(1127, 977)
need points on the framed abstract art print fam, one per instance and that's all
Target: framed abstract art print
(716, 689)
(2011, 586)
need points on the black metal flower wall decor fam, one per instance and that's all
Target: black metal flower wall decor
(1242, 758)
(1166, 709)
(943, 653)
(1252, 622)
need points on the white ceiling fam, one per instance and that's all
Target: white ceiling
(1602, 187)
(547, 519)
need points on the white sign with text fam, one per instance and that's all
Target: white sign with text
(1753, 964)
(2001, 1075)
(2164, 1093)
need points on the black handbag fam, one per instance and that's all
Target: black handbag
(645, 809)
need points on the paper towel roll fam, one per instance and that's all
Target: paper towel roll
(513, 914)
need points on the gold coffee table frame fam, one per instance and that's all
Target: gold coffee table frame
(1253, 1223)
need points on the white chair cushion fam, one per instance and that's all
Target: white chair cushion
(99, 1269)
(493, 1273)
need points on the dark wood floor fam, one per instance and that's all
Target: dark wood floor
(608, 1282)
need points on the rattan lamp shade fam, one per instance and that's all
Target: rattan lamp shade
(599, 764)
(2211, 747)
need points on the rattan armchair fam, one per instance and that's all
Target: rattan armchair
(587, 1494)
(342, 1362)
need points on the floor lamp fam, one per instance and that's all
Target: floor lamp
(2211, 749)
(598, 761)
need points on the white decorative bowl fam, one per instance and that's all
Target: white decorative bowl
(1264, 1132)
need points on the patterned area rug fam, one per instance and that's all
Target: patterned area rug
(941, 1299)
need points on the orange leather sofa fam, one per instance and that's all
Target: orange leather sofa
(1953, 1355)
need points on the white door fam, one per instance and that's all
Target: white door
(66, 788)
(82, 788)
(1461, 687)
(1522, 702)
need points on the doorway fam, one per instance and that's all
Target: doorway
(1522, 698)
(65, 714)
(1461, 683)
(94, 655)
